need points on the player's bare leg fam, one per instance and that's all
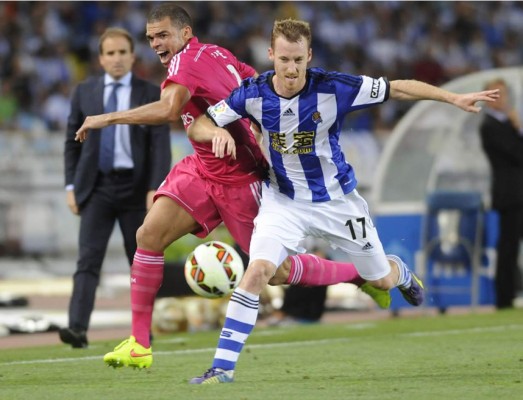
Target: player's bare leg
(165, 223)
(310, 270)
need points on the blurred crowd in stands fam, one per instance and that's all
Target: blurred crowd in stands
(46, 48)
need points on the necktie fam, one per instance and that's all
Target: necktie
(106, 159)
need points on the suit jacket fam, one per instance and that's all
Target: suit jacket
(150, 145)
(504, 149)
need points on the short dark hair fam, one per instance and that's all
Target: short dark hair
(292, 30)
(179, 17)
(114, 32)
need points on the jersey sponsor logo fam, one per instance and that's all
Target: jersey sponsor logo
(316, 117)
(187, 119)
(375, 91)
(288, 113)
(302, 142)
(368, 246)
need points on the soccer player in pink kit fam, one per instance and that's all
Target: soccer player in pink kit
(201, 191)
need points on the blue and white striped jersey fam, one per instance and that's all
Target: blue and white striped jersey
(301, 134)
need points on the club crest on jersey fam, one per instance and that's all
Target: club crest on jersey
(316, 117)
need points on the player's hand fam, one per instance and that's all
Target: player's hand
(468, 101)
(91, 122)
(259, 139)
(257, 134)
(223, 144)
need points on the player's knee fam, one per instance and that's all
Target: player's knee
(277, 279)
(146, 238)
(282, 274)
(141, 237)
(257, 275)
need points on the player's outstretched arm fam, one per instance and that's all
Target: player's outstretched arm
(166, 110)
(203, 129)
(417, 90)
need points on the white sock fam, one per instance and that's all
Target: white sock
(240, 319)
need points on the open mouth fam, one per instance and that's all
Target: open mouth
(164, 56)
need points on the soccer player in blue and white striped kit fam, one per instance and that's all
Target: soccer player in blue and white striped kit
(311, 189)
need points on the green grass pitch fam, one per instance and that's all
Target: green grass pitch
(445, 357)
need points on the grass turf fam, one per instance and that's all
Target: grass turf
(475, 356)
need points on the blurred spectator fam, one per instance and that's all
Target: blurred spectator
(8, 106)
(42, 43)
(56, 107)
(427, 68)
(300, 305)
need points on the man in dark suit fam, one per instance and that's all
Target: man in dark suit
(502, 140)
(111, 177)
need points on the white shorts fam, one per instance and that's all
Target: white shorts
(282, 225)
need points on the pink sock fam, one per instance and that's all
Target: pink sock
(146, 279)
(311, 270)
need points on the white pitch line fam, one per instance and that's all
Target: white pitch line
(178, 352)
(460, 331)
(274, 345)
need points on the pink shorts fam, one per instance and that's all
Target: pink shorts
(211, 203)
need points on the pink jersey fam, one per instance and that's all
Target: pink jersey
(210, 73)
